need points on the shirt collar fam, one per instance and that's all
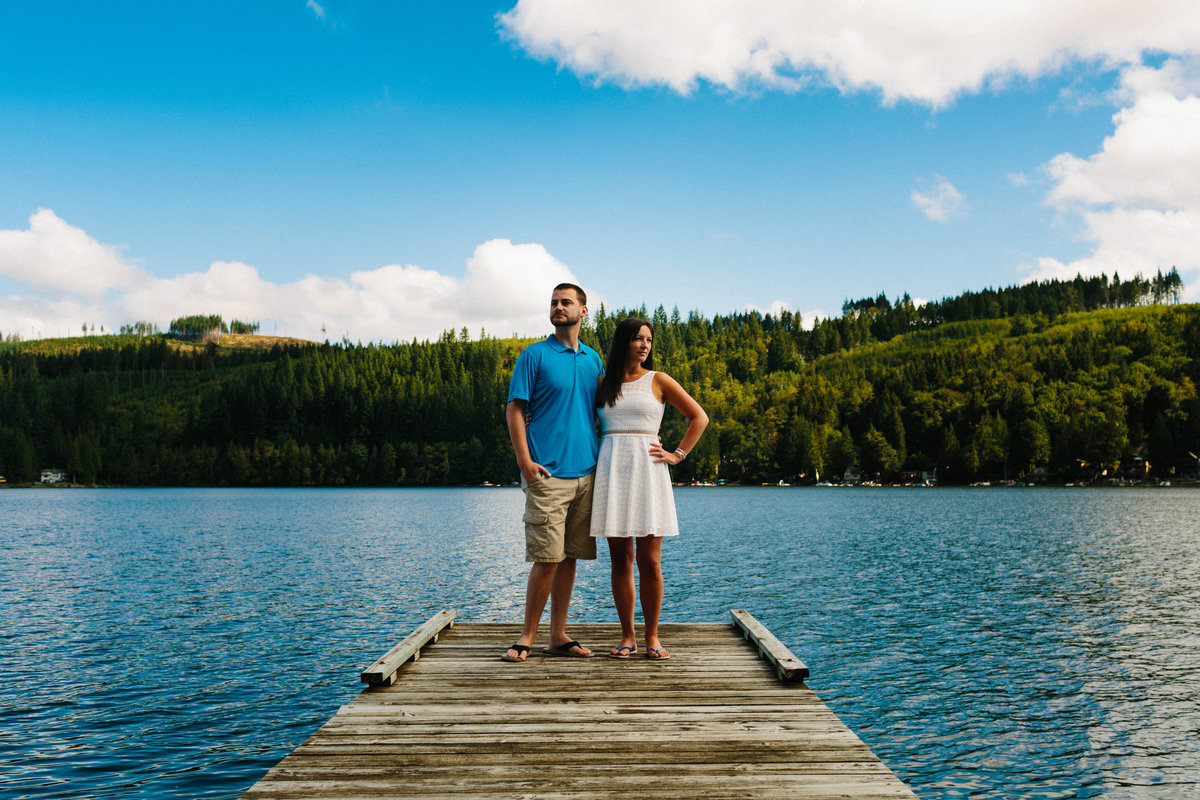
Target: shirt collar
(560, 347)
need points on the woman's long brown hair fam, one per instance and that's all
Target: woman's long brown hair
(618, 354)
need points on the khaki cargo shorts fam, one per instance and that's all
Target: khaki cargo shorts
(558, 519)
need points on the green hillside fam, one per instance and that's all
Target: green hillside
(887, 389)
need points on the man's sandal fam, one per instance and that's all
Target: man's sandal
(521, 651)
(565, 649)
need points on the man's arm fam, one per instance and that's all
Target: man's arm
(514, 414)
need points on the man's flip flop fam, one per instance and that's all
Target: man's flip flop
(622, 652)
(652, 653)
(564, 649)
(521, 650)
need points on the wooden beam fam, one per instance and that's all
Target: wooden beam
(383, 671)
(713, 722)
(787, 666)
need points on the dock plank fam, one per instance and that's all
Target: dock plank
(714, 721)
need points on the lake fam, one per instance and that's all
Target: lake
(985, 643)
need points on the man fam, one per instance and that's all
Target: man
(551, 417)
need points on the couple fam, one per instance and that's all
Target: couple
(557, 391)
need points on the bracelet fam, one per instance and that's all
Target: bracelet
(682, 453)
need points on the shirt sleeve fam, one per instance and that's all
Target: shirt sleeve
(520, 387)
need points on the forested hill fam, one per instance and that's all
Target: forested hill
(1025, 387)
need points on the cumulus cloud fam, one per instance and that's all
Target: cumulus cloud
(54, 255)
(939, 200)
(505, 290)
(1133, 241)
(1134, 201)
(919, 50)
(1155, 144)
(35, 317)
(1137, 203)
(776, 309)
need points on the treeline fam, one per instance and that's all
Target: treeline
(1073, 385)
(878, 319)
(190, 327)
(135, 410)
(199, 325)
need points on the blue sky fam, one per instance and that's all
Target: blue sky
(385, 171)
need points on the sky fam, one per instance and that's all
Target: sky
(384, 172)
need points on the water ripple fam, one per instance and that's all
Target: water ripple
(985, 644)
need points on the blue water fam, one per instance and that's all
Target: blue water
(986, 643)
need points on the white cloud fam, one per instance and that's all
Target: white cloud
(1149, 160)
(33, 317)
(807, 318)
(1137, 199)
(1133, 241)
(939, 200)
(1178, 76)
(919, 50)
(317, 8)
(500, 275)
(776, 308)
(506, 290)
(52, 254)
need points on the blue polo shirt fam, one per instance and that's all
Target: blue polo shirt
(558, 385)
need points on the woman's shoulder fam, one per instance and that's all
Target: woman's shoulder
(661, 383)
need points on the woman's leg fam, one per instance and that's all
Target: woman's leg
(620, 552)
(650, 586)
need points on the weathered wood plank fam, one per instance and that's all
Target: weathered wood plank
(712, 722)
(383, 671)
(789, 667)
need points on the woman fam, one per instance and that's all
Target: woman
(632, 503)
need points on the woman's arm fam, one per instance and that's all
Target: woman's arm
(671, 392)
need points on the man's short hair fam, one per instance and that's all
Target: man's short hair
(579, 292)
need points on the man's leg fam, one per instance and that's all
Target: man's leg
(560, 600)
(537, 590)
(577, 543)
(560, 603)
(546, 504)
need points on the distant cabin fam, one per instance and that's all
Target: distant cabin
(53, 476)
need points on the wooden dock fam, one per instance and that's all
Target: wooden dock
(728, 716)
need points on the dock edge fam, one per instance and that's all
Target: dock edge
(383, 671)
(787, 666)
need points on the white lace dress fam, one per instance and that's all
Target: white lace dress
(632, 495)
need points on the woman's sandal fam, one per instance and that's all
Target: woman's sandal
(616, 652)
(521, 650)
(652, 653)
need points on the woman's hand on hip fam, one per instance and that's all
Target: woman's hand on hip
(660, 456)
